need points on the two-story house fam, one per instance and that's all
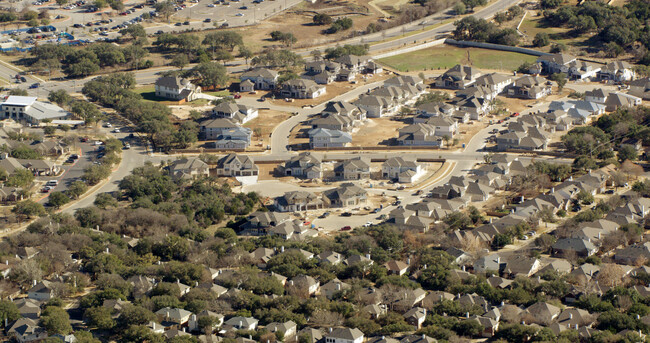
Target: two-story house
(236, 165)
(458, 77)
(304, 165)
(188, 167)
(347, 194)
(261, 78)
(176, 88)
(356, 168)
(295, 201)
(394, 166)
(376, 106)
(302, 89)
(326, 138)
(239, 113)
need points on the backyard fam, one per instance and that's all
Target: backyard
(445, 57)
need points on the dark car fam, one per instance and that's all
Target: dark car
(160, 32)
(34, 85)
(207, 20)
(346, 214)
(324, 215)
(23, 79)
(186, 23)
(77, 25)
(243, 8)
(178, 24)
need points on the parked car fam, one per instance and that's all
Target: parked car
(207, 20)
(52, 183)
(346, 228)
(34, 85)
(46, 189)
(325, 215)
(346, 214)
(127, 146)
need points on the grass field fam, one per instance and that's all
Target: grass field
(445, 57)
(532, 26)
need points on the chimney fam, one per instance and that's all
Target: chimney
(338, 286)
(196, 284)
(282, 248)
(503, 303)
(424, 336)
(570, 315)
(466, 314)
(368, 256)
(552, 190)
(33, 282)
(570, 177)
(490, 220)
(599, 235)
(425, 267)
(330, 330)
(193, 317)
(408, 261)
(383, 338)
(6, 262)
(463, 268)
(498, 259)
(107, 251)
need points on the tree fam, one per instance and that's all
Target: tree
(460, 8)
(61, 2)
(211, 75)
(541, 39)
(49, 130)
(20, 178)
(166, 8)
(180, 61)
(27, 209)
(100, 317)
(58, 199)
(76, 189)
(245, 52)
(59, 97)
(223, 40)
(134, 31)
(560, 79)
(340, 24)
(86, 111)
(8, 311)
(56, 320)
(95, 173)
(500, 240)
(222, 56)
(322, 19)
(627, 152)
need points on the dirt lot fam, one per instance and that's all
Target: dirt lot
(377, 131)
(266, 121)
(182, 112)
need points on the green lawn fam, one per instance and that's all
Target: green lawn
(445, 57)
(531, 27)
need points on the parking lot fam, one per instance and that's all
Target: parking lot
(86, 23)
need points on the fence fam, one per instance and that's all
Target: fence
(495, 47)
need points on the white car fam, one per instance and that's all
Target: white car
(116, 130)
(108, 125)
(367, 224)
(211, 5)
(52, 183)
(99, 142)
(239, 14)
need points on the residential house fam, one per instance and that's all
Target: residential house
(42, 291)
(416, 317)
(238, 138)
(375, 106)
(193, 323)
(633, 254)
(326, 138)
(334, 286)
(262, 78)
(581, 70)
(29, 109)
(295, 201)
(239, 113)
(496, 83)
(458, 77)
(188, 167)
(51, 148)
(236, 165)
(597, 95)
(396, 267)
(422, 134)
(213, 128)
(618, 71)
(174, 315)
(305, 283)
(304, 165)
(475, 107)
(541, 313)
(343, 108)
(346, 194)
(352, 62)
(302, 89)
(141, 285)
(246, 86)
(176, 88)
(356, 168)
(530, 87)
(344, 335)
(435, 109)
(26, 330)
(331, 257)
(620, 100)
(556, 63)
(332, 122)
(490, 325)
(242, 323)
(288, 328)
(394, 166)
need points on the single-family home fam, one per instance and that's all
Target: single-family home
(42, 291)
(333, 122)
(356, 168)
(295, 201)
(242, 323)
(530, 87)
(176, 88)
(618, 71)
(420, 135)
(236, 165)
(556, 63)
(212, 128)
(239, 113)
(375, 106)
(394, 166)
(344, 335)
(262, 78)
(458, 77)
(304, 165)
(302, 89)
(326, 138)
(346, 194)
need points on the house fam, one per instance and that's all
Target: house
(520, 140)
(402, 80)
(262, 79)
(238, 138)
(416, 317)
(435, 109)
(476, 107)
(10, 194)
(193, 323)
(346, 194)
(444, 126)
(302, 89)
(458, 77)
(174, 315)
(597, 95)
(520, 265)
(373, 68)
(633, 254)
(344, 335)
(26, 330)
(619, 100)
(375, 106)
(325, 77)
(352, 62)
(394, 166)
(304, 165)
(326, 138)
(530, 87)
(242, 323)
(581, 70)
(236, 165)
(332, 122)
(333, 287)
(213, 128)
(176, 88)
(288, 328)
(319, 66)
(246, 86)
(556, 63)
(41, 291)
(298, 201)
(396, 267)
(38, 167)
(28, 109)
(331, 257)
(141, 285)
(574, 247)
(356, 168)
(541, 313)
(490, 325)
(239, 113)
(420, 135)
(28, 308)
(188, 167)
(618, 71)
(496, 83)
(346, 75)
(305, 283)
(343, 108)
(51, 148)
